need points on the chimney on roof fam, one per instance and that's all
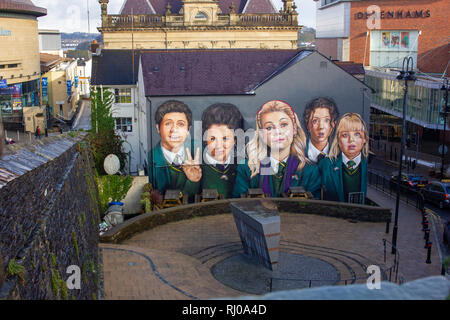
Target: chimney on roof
(94, 46)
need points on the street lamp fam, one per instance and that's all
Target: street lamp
(444, 113)
(407, 75)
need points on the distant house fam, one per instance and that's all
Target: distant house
(113, 69)
(199, 78)
(50, 42)
(60, 87)
(84, 69)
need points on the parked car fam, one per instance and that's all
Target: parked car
(412, 181)
(437, 192)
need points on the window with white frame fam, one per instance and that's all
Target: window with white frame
(389, 47)
(123, 95)
(124, 124)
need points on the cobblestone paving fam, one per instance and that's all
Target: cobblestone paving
(173, 261)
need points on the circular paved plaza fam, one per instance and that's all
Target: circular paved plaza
(202, 258)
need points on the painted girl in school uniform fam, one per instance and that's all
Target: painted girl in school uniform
(219, 122)
(276, 159)
(344, 171)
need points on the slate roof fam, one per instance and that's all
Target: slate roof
(22, 6)
(210, 72)
(159, 6)
(114, 67)
(351, 67)
(198, 72)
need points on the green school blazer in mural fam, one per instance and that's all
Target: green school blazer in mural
(163, 176)
(308, 177)
(221, 179)
(333, 178)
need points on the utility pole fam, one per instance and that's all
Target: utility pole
(89, 25)
(407, 75)
(444, 113)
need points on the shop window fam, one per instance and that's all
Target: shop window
(123, 95)
(389, 47)
(124, 124)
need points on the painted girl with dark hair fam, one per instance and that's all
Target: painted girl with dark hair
(319, 117)
(219, 121)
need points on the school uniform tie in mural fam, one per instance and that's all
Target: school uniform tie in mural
(278, 156)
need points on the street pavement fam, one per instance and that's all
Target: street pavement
(440, 216)
(174, 261)
(83, 118)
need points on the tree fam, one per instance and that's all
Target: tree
(104, 139)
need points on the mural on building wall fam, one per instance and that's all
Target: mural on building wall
(386, 39)
(325, 158)
(405, 40)
(395, 39)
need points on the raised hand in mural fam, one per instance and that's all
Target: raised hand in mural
(191, 167)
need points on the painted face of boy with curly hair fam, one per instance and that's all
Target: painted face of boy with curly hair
(173, 129)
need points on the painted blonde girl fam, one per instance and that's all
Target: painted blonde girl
(276, 159)
(344, 171)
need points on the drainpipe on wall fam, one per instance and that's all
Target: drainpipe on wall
(365, 47)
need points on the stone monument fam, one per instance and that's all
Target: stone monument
(258, 224)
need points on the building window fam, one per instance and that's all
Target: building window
(389, 47)
(124, 124)
(123, 95)
(9, 66)
(201, 16)
(325, 2)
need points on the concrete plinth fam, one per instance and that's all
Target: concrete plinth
(258, 224)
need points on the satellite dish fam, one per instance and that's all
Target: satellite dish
(111, 164)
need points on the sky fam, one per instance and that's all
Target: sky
(71, 15)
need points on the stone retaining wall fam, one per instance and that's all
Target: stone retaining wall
(326, 208)
(49, 218)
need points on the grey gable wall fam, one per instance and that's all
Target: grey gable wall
(306, 80)
(296, 85)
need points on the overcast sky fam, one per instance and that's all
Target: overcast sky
(71, 15)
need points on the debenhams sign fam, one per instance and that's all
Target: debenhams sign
(395, 14)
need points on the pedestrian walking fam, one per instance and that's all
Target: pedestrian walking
(37, 133)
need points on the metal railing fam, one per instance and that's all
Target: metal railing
(176, 20)
(408, 195)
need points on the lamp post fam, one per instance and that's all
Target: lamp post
(407, 75)
(444, 113)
